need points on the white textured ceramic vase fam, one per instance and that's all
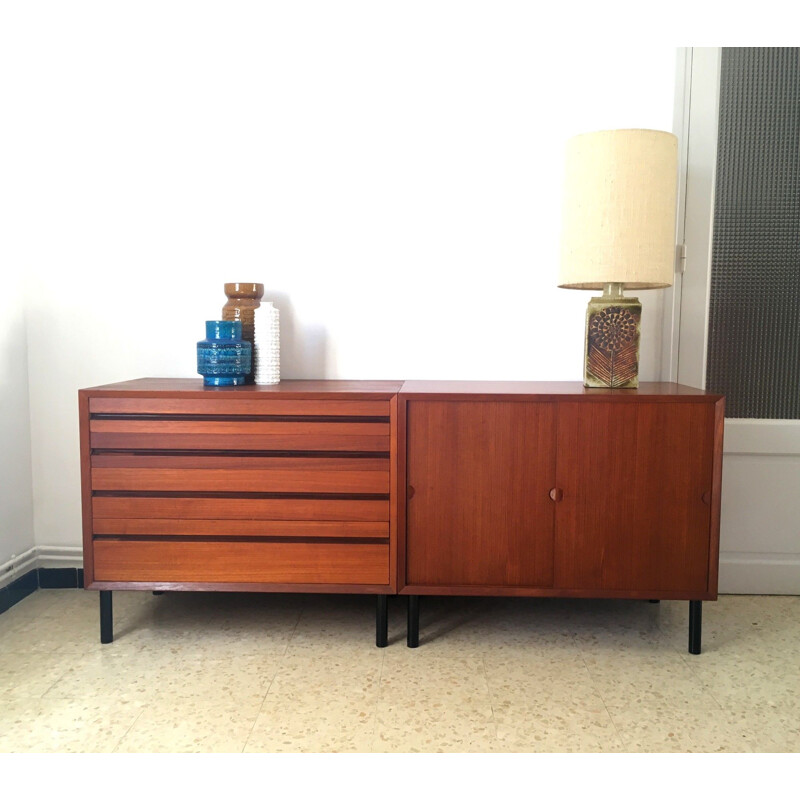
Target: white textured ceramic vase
(267, 345)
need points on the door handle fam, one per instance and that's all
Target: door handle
(410, 492)
(706, 498)
(556, 495)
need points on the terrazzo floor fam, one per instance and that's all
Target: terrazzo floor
(300, 673)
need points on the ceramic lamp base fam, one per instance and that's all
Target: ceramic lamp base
(612, 342)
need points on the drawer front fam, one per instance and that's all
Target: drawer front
(241, 527)
(229, 405)
(320, 435)
(230, 508)
(240, 562)
(209, 473)
(268, 481)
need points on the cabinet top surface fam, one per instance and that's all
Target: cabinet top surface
(193, 387)
(555, 389)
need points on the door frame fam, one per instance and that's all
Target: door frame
(754, 558)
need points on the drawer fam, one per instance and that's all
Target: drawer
(229, 404)
(124, 433)
(232, 508)
(128, 473)
(326, 529)
(237, 461)
(240, 562)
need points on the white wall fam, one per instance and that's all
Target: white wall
(16, 504)
(391, 172)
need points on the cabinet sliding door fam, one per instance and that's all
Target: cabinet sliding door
(636, 509)
(479, 510)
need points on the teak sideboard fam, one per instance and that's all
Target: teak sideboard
(255, 488)
(416, 487)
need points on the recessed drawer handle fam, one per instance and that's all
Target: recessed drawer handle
(707, 498)
(556, 495)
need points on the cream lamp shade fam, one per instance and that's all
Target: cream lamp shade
(620, 193)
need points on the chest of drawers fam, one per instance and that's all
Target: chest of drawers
(257, 488)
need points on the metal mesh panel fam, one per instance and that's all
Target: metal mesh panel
(754, 315)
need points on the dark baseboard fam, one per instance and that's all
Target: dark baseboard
(19, 589)
(41, 578)
(61, 578)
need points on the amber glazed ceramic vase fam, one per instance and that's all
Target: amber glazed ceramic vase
(243, 300)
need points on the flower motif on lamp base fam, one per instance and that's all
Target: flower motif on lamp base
(612, 343)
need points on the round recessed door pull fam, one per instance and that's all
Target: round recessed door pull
(707, 498)
(410, 492)
(556, 495)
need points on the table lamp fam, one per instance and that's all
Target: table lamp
(618, 233)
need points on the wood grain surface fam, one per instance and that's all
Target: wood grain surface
(277, 481)
(284, 508)
(632, 516)
(236, 405)
(545, 391)
(327, 529)
(201, 460)
(481, 475)
(482, 487)
(218, 442)
(241, 562)
(183, 434)
(187, 486)
(87, 501)
(192, 388)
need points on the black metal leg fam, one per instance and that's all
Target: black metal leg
(412, 636)
(106, 619)
(382, 621)
(695, 626)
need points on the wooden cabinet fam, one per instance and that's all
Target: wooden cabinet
(256, 488)
(557, 490)
(423, 488)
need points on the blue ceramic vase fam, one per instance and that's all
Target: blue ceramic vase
(223, 358)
